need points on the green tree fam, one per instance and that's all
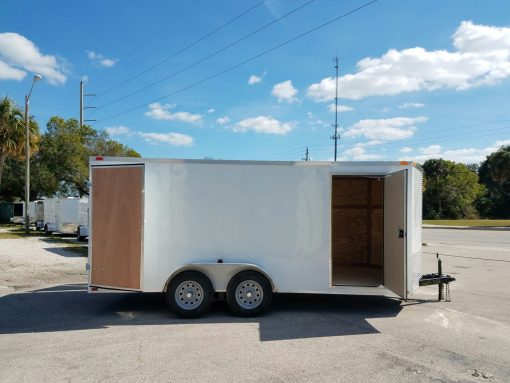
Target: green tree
(494, 174)
(12, 133)
(61, 167)
(451, 190)
(65, 151)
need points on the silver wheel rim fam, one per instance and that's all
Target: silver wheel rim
(189, 295)
(249, 294)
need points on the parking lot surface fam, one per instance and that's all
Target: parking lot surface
(60, 333)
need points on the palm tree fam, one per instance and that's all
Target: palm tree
(12, 133)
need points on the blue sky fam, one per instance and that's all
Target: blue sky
(417, 80)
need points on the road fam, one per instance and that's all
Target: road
(63, 334)
(479, 239)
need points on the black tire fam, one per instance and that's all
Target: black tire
(194, 283)
(46, 231)
(254, 294)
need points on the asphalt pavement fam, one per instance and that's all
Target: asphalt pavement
(63, 334)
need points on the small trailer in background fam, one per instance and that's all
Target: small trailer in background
(18, 213)
(49, 214)
(64, 215)
(39, 214)
(82, 231)
(249, 229)
(36, 213)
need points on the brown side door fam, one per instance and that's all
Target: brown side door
(116, 223)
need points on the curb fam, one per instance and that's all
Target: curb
(491, 228)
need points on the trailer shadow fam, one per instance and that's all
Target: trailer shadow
(292, 316)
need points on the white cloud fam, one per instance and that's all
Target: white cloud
(411, 105)
(285, 91)
(431, 150)
(117, 130)
(341, 108)
(7, 72)
(499, 144)
(406, 149)
(101, 60)
(263, 124)
(174, 139)
(211, 110)
(388, 129)
(254, 79)
(159, 111)
(464, 155)
(223, 120)
(481, 57)
(359, 153)
(108, 63)
(18, 56)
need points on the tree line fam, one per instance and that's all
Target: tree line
(454, 190)
(59, 159)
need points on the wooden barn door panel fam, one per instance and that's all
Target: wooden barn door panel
(117, 226)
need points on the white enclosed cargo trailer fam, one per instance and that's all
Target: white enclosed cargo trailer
(18, 212)
(36, 213)
(49, 214)
(191, 228)
(65, 215)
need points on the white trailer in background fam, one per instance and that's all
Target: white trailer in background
(64, 215)
(249, 229)
(31, 212)
(82, 231)
(18, 212)
(36, 213)
(49, 214)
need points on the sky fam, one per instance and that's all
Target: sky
(255, 80)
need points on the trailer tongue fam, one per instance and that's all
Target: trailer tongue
(443, 281)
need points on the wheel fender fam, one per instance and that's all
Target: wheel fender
(220, 274)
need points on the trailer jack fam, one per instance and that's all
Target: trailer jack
(443, 281)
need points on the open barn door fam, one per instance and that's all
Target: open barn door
(395, 236)
(116, 218)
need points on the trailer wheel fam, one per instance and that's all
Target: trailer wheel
(249, 293)
(79, 237)
(190, 294)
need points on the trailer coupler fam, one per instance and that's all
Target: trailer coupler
(440, 279)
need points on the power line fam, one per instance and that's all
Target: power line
(463, 138)
(187, 67)
(429, 140)
(242, 62)
(154, 66)
(167, 23)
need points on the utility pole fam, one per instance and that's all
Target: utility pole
(306, 157)
(81, 104)
(82, 108)
(335, 136)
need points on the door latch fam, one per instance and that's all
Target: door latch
(401, 233)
